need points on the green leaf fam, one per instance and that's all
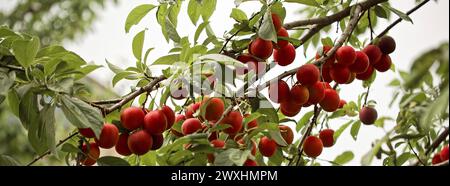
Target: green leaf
(381, 12)
(81, 114)
(136, 15)
(194, 11)
(138, 44)
(199, 30)
(344, 158)
(238, 15)
(305, 2)
(438, 107)
(47, 129)
(304, 120)
(267, 30)
(8, 161)
(208, 8)
(340, 130)
(28, 108)
(276, 135)
(231, 157)
(399, 13)
(70, 148)
(355, 129)
(167, 60)
(25, 50)
(14, 101)
(112, 161)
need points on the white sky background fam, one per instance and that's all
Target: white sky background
(108, 40)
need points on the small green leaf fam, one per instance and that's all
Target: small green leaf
(355, 129)
(304, 120)
(167, 60)
(25, 50)
(112, 161)
(341, 129)
(138, 44)
(305, 2)
(267, 30)
(344, 158)
(238, 15)
(135, 16)
(399, 13)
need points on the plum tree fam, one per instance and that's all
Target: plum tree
(312, 146)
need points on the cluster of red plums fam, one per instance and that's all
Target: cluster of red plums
(441, 156)
(142, 132)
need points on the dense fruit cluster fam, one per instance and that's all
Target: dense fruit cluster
(142, 132)
(313, 145)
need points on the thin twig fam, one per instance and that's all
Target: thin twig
(49, 152)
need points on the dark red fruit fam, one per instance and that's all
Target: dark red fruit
(346, 55)
(284, 56)
(155, 122)
(368, 115)
(366, 75)
(279, 91)
(361, 63)
(250, 163)
(214, 109)
(330, 102)
(308, 74)
(277, 22)
(170, 116)
(444, 153)
(340, 74)
(108, 137)
(327, 137)
(192, 109)
(191, 126)
(316, 93)
(312, 146)
(261, 48)
(374, 53)
(87, 132)
(322, 52)
(387, 44)
(282, 33)
(436, 159)
(140, 142)
(286, 133)
(267, 146)
(158, 140)
(290, 109)
(234, 119)
(384, 64)
(299, 94)
(122, 145)
(132, 118)
(91, 154)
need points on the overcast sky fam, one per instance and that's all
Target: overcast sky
(108, 40)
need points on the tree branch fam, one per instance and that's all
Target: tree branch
(327, 20)
(134, 94)
(49, 151)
